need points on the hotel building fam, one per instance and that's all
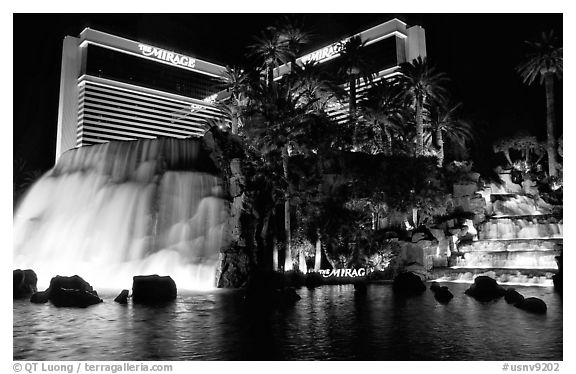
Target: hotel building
(386, 46)
(113, 88)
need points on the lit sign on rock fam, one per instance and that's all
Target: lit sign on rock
(342, 272)
(171, 57)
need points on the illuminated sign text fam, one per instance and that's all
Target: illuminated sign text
(171, 57)
(323, 54)
(342, 272)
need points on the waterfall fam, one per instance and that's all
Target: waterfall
(111, 211)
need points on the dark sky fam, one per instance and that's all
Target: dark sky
(478, 52)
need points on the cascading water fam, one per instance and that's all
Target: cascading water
(109, 212)
(517, 244)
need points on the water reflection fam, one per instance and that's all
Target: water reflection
(329, 323)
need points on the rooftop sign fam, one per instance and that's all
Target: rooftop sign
(142, 50)
(324, 54)
(171, 57)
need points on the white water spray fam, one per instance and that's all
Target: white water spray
(112, 211)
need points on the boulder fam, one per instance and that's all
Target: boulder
(122, 298)
(70, 292)
(434, 286)
(443, 295)
(63, 297)
(557, 280)
(289, 295)
(533, 305)
(24, 283)
(407, 284)
(485, 289)
(74, 282)
(513, 297)
(153, 289)
(41, 297)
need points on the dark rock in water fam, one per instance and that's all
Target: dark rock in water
(290, 295)
(557, 280)
(360, 288)
(513, 297)
(71, 283)
(71, 292)
(153, 289)
(443, 295)
(406, 284)
(122, 298)
(313, 280)
(532, 304)
(434, 286)
(24, 283)
(62, 297)
(485, 289)
(41, 297)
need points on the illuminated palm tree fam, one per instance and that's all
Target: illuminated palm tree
(294, 35)
(316, 86)
(421, 85)
(237, 85)
(544, 62)
(278, 117)
(272, 49)
(354, 66)
(382, 115)
(445, 123)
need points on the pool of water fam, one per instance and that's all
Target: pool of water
(329, 323)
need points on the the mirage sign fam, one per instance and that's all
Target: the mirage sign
(343, 272)
(171, 57)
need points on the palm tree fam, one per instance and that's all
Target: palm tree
(421, 84)
(237, 85)
(354, 66)
(272, 49)
(279, 115)
(382, 114)
(445, 122)
(544, 62)
(316, 86)
(294, 35)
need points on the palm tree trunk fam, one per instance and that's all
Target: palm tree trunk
(388, 143)
(419, 130)
(352, 109)
(352, 97)
(270, 74)
(318, 254)
(440, 142)
(288, 252)
(550, 123)
(234, 119)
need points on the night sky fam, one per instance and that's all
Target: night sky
(478, 52)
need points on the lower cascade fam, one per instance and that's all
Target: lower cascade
(112, 211)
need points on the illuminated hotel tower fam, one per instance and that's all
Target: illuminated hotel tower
(112, 88)
(387, 45)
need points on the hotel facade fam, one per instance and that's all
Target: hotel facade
(113, 88)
